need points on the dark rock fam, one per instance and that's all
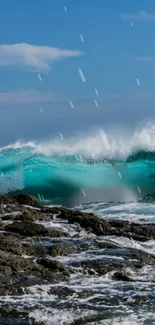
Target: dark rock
(132, 230)
(17, 272)
(28, 215)
(57, 233)
(42, 251)
(32, 215)
(101, 227)
(36, 250)
(120, 276)
(136, 256)
(51, 211)
(52, 265)
(133, 258)
(88, 221)
(7, 199)
(27, 228)
(2, 226)
(101, 267)
(26, 199)
(10, 244)
(105, 244)
(119, 223)
(61, 250)
(141, 299)
(10, 217)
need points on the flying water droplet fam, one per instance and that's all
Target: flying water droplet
(71, 104)
(81, 75)
(39, 76)
(84, 194)
(41, 110)
(65, 9)
(138, 189)
(119, 174)
(138, 83)
(131, 23)
(39, 196)
(61, 136)
(96, 91)
(96, 103)
(82, 39)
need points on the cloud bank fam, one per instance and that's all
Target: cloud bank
(33, 96)
(140, 15)
(148, 59)
(34, 57)
(30, 96)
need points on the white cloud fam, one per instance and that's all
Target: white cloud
(140, 15)
(30, 96)
(34, 57)
(145, 58)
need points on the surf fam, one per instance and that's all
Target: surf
(98, 167)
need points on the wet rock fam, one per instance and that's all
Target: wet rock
(88, 221)
(28, 215)
(10, 216)
(25, 199)
(27, 228)
(119, 223)
(61, 250)
(17, 272)
(101, 227)
(36, 250)
(52, 265)
(101, 267)
(105, 244)
(62, 293)
(51, 211)
(132, 230)
(137, 257)
(10, 244)
(2, 226)
(121, 276)
(128, 258)
(57, 233)
(141, 299)
(7, 199)
(32, 215)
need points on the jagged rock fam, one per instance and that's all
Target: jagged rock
(10, 244)
(27, 228)
(61, 250)
(26, 199)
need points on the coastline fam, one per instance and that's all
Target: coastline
(32, 247)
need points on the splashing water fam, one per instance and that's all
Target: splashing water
(121, 168)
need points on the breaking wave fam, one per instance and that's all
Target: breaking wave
(101, 167)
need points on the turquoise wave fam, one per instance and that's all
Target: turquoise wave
(72, 179)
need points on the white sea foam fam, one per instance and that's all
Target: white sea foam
(101, 143)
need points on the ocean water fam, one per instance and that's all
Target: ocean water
(112, 176)
(101, 167)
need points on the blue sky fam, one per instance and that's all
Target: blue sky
(118, 48)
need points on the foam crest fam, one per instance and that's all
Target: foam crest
(114, 145)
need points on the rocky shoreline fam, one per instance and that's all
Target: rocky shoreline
(26, 261)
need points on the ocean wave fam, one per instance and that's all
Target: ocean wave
(102, 166)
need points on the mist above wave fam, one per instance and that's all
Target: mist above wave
(99, 144)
